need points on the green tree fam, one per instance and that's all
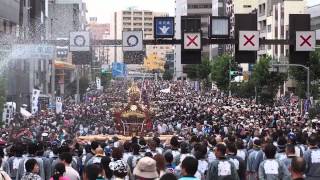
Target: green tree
(220, 71)
(267, 83)
(243, 89)
(167, 75)
(199, 71)
(300, 75)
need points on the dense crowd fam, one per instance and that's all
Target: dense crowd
(213, 137)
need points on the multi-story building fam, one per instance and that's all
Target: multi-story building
(25, 73)
(9, 18)
(314, 11)
(100, 31)
(238, 7)
(133, 20)
(200, 8)
(218, 9)
(63, 17)
(273, 23)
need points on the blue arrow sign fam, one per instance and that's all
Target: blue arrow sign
(164, 27)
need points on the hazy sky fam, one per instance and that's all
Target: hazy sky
(104, 8)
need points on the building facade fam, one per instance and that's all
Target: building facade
(134, 20)
(63, 17)
(273, 23)
(314, 11)
(200, 8)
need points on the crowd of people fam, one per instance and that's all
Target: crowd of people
(214, 136)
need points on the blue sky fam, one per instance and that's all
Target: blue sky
(104, 8)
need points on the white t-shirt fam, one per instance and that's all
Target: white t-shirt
(71, 173)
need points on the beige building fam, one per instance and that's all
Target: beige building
(135, 20)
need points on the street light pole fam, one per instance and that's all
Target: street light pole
(299, 65)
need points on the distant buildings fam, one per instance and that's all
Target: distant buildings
(135, 20)
(201, 8)
(32, 22)
(314, 11)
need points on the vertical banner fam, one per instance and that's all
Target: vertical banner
(58, 105)
(196, 86)
(35, 98)
(98, 83)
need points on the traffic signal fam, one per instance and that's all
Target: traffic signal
(298, 22)
(245, 22)
(190, 25)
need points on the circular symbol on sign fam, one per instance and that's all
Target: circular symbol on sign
(132, 40)
(79, 40)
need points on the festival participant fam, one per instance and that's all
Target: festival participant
(298, 167)
(189, 167)
(222, 168)
(237, 161)
(32, 149)
(146, 169)
(272, 168)
(32, 170)
(312, 158)
(93, 172)
(290, 152)
(3, 174)
(12, 164)
(58, 172)
(120, 169)
(255, 157)
(161, 165)
(71, 173)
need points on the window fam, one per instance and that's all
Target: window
(199, 6)
(269, 28)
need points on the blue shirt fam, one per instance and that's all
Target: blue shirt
(188, 178)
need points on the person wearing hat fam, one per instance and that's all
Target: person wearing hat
(146, 169)
(255, 157)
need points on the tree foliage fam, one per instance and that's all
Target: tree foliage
(167, 75)
(199, 71)
(266, 82)
(300, 75)
(220, 71)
